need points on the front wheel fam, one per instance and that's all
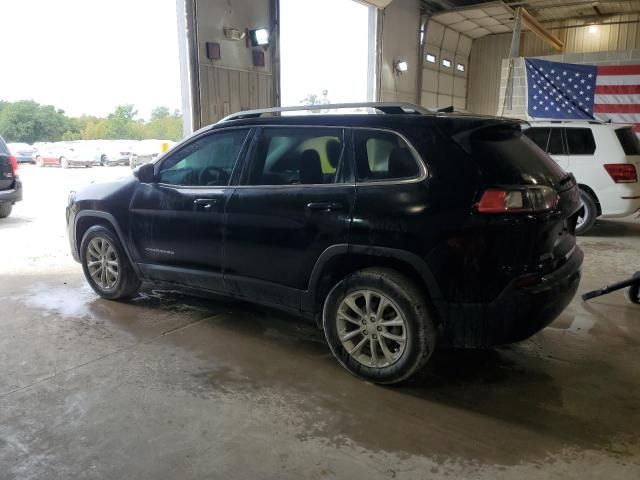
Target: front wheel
(588, 214)
(106, 266)
(378, 325)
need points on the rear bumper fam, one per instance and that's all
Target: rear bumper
(13, 195)
(621, 200)
(518, 312)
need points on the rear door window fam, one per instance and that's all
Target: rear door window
(382, 155)
(556, 145)
(295, 155)
(629, 141)
(580, 141)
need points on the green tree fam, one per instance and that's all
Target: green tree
(164, 124)
(120, 123)
(27, 121)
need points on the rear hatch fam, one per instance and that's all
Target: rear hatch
(508, 160)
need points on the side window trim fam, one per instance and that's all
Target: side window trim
(422, 166)
(240, 160)
(243, 177)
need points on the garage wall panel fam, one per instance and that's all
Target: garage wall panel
(450, 84)
(232, 83)
(400, 32)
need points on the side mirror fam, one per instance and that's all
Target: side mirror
(145, 173)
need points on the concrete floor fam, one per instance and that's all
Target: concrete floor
(168, 386)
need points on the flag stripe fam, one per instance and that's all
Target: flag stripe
(619, 70)
(623, 117)
(625, 99)
(616, 108)
(617, 80)
(619, 89)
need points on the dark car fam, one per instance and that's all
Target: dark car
(10, 184)
(395, 232)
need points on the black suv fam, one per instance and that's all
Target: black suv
(395, 231)
(10, 184)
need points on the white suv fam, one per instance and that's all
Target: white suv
(604, 158)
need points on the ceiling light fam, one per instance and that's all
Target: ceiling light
(593, 29)
(259, 37)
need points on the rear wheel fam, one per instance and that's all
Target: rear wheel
(378, 326)
(106, 266)
(5, 210)
(588, 214)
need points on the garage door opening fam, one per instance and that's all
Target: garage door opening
(327, 51)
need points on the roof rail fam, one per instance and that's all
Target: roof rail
(384, 107)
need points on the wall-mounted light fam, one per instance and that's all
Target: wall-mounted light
(593, 29)
(460, 67)
(233, 34)
(259, 37)
(400, 66)
(430, 58)
(446, 63)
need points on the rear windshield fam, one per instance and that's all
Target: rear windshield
(506, 156)
(628, 141)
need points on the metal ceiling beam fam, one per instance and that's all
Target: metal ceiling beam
(536, 27)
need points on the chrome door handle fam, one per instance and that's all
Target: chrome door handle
(205, 203)
(328, 206)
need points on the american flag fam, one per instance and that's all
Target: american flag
(569, 91)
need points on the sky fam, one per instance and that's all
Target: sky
(324, 45)
(88, 56)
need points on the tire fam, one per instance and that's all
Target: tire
(64, 163)
(5, 210)
(404, 299)
(588, 215)
(127, 283)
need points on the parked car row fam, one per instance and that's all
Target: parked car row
(87, 153)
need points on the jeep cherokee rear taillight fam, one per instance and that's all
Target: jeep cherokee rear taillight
(517, 200)
(622, 172)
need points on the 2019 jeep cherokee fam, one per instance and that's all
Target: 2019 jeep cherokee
(395, 232)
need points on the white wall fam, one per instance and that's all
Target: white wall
(400, 31)
(232, 83)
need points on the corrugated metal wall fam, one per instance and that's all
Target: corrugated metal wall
(226, 90)
(487, 53)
